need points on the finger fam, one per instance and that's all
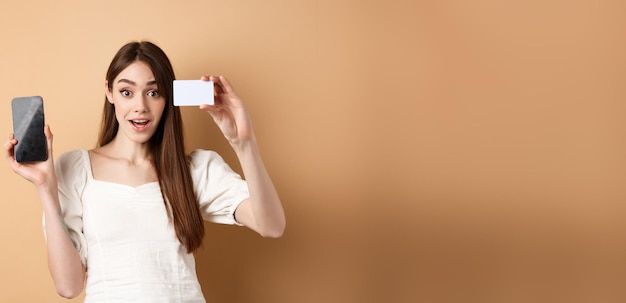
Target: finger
(49, 138)
(205, 78)
(10, 144)
(217, 85)
(9, 147)
(215, 113)
(228, 88)
(210, 109)
(10, 153)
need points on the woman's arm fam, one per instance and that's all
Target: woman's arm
(66, 268)
(263, 211)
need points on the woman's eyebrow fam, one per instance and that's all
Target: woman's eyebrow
(126, 81)
(153, 82)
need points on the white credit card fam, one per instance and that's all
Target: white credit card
(193, 92)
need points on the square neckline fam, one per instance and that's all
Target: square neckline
(87, 158)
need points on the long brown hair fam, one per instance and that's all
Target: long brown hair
(166, 146)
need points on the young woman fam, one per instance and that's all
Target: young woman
(127, 215)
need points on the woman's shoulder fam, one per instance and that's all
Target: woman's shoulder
(71, 159)
(72, 155)
(200, 156)
(202, 159)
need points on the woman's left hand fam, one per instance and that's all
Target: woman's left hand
(228, 112)
(262, 211)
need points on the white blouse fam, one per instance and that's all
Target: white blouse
(123, 233)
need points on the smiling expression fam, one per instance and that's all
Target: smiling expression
(137, 101)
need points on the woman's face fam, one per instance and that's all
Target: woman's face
(138, 102)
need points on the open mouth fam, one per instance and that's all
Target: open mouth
(139, 124)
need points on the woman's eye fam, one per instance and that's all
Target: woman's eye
(153, 93)
(125, 92)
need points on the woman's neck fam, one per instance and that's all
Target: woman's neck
(132, 152)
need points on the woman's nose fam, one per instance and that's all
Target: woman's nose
(139, 105)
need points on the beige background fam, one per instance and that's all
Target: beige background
(425, 151)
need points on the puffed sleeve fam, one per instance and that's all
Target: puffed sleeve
(218, 188)
(71, 172)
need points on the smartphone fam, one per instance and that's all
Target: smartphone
(193, 92)
(28, 125)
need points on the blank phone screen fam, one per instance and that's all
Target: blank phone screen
(28, 125)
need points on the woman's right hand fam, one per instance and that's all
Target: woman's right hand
(38, 173)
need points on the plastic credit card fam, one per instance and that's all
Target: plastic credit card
(193, 92)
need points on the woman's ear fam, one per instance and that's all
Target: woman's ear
(107, 92)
